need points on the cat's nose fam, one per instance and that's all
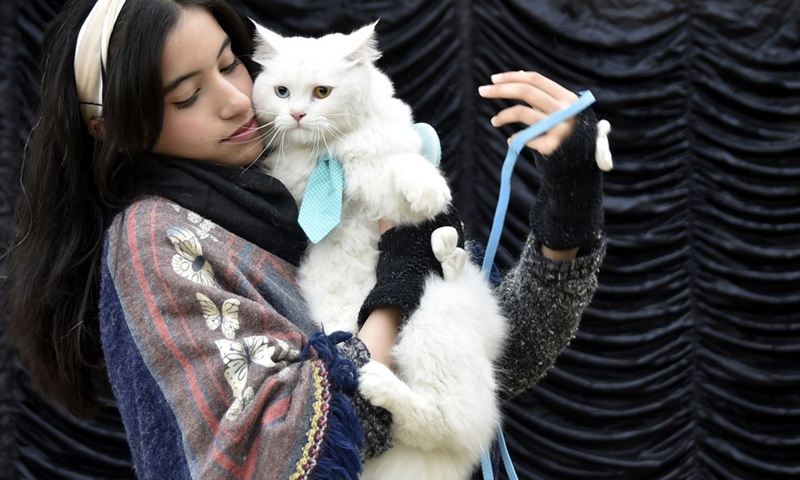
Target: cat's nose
(298, 116)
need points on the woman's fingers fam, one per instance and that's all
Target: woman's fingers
(537, 80)
(527, 93)
(517, 114)
(544, 144)
(543, 97)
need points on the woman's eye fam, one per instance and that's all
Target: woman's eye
(188, 102)
(230, 68)
(322, 91)
(281, 91)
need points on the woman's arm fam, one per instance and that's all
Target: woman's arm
(543, 298)
(559, 254)
(379, 333)
(544, 295)
(374, 341)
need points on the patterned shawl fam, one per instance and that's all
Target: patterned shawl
(212, 378)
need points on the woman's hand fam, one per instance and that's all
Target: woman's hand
(568, 213)
(405, 262)
(542, 96)
(379, 332)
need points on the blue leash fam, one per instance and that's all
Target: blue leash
(514, 149)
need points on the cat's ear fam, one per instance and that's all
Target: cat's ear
(364, 45)
(266, 42)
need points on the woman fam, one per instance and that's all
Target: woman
(148, 253)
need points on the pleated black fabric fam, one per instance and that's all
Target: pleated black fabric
(11, 131)
(687, 363)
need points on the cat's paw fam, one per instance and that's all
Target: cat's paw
(428, 195)
(454, 264)
(444, 243)
(602, 151)
(376, 383)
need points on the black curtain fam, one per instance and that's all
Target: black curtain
(687, 363)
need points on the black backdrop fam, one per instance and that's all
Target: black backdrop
(687, 364)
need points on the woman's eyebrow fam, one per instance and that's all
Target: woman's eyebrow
(175, 83)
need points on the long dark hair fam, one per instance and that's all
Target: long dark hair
(72, 185)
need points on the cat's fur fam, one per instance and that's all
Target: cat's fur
(444, 404)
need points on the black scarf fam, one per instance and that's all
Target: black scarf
(248, 203)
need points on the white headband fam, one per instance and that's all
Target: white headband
(90, 56)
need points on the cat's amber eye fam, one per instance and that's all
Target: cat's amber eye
(322, 91)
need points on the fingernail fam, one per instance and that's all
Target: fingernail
(482, 89)
(496, 77)
(493, 120)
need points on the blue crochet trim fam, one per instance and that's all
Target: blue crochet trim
(340, 457)
(476, 253)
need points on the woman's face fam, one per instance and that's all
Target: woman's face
(208, 115)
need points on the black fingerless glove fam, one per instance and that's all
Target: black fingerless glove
(406, 260)
(569, 208)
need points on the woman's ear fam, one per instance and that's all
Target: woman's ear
(96, 127)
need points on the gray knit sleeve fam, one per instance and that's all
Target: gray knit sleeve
(543, 300)
(375, 421)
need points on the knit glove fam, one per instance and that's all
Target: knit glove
(569, 208)
(406, 260)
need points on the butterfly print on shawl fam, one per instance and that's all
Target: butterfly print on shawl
(189, 262)
(240, 403)
(239, 355)
(202, 226)
(226, 317)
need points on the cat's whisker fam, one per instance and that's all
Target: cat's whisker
(314, 141)
(337, 137)
(312, 154)
(267, 125)
(257, 138)
(275, 133)
(266, 134)
(327, 147)
(263, 149)
(342, 114)
(340, 136)
(265, 112)
(283, 137)
(253, 162)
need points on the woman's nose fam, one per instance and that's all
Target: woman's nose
(236, 102)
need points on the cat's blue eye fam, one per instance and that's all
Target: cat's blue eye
(281, 91)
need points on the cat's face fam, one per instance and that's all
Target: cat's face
(313, 91)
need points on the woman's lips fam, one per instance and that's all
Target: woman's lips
(247, 132)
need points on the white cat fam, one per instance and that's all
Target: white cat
(326, 95)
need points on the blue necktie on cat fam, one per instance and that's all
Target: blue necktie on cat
(321, 210)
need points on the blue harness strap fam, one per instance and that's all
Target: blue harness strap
(514, 149)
